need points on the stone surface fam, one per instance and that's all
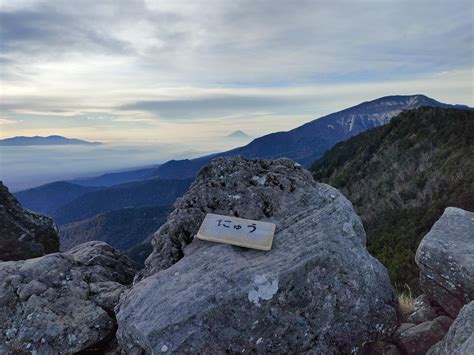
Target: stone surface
(61, 302)
(417, 339)
(23, 233)
(460, 338)
(445, 257)
(318, 290)
(423, 311)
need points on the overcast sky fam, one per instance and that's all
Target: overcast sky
(174, 70)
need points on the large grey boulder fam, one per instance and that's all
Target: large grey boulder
(61, 303)
(318, 290)
(23, 233)
(460, 337)
(445, 257)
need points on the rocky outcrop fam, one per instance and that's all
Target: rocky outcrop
(318, 290)
(417, 339)
(460, 337)
(63, 302)
(445, 257)
(23, 233)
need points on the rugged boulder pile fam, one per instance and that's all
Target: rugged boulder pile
(460, 337)
(23, 233)
(318, 290)
(416, 339)
(446, 261)
(61, 303)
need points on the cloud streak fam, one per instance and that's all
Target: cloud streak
(5, 121)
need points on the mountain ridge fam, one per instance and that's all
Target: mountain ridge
(308, 142)
(44, 140)
(114, 178)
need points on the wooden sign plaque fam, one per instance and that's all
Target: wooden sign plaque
(237, 231)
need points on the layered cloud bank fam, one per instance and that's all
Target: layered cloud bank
(160, 70)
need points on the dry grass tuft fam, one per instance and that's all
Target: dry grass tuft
(406, 305)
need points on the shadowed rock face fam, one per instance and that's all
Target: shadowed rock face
(24, 234)
(445, 257)
(61, 303)
(460, 337)
(417, 339)
(317, 290)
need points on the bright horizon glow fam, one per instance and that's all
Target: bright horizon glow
(170, 72)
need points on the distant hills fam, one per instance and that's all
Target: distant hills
(49, 140)
(401, 176)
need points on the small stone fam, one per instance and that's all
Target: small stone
(10, 333)
(423, 311)
(71, 338)
(261, 180)
(259, 341)
(164, 348)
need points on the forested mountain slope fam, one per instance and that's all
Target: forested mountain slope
(143, 193)
(122, 228)
(50, 197)
(400, 177)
